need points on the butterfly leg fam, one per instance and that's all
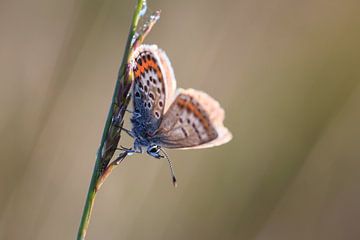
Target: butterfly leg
(129, 132)
(116, 123)
(126, 152)
(130, 151)
(120, 158)
(122, 148)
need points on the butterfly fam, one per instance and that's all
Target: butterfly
(166, 117)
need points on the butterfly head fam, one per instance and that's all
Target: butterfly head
(154, 151)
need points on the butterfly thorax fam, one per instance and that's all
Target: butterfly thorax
(142, 129)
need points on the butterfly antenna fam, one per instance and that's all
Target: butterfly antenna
(171, 168)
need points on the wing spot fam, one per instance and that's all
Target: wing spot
(149, 105)
(148, 82)
(151, 95)
(157, 114)
(161, 104)
(181, 120)
(184, 132)
(139, 61)
(158, 90)
(146, 89)
(188, 121)
(137, 94)
(153, 80)
(197, 131)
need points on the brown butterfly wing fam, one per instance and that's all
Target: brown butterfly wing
(193, 120)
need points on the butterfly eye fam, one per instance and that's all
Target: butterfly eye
(153, 149)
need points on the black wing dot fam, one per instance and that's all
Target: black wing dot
(137, 94)
(184, 132)
(151, 95)
(197, 131)
(188, 120)
(157, 114)
(148, 82)
(146, 89)
(158, 90)
(161, 103)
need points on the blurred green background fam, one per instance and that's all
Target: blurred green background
(287, 73)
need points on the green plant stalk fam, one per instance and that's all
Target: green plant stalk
(90, 198)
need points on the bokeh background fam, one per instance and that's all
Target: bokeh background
(287, 72)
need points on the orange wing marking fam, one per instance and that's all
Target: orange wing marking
(146, 64)
(192, 108)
